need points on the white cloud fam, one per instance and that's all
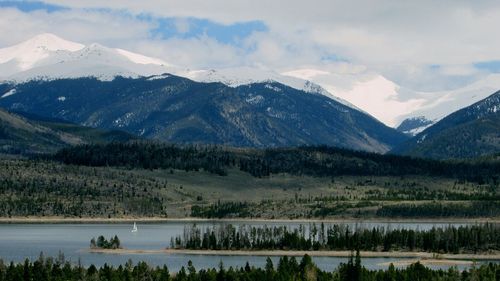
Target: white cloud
(201, 52)
(76, 25)
(459, 70)
(380, 97)
(378, 31)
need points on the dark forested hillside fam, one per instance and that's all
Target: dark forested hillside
(178, 110)
(314, 161)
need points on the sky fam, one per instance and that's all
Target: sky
(380, 55)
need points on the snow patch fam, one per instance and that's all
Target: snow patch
(418, 130)
(271, 87)
(255, 100)
(140, 59)
(124, 120)
(338, 108)
(156, 77)
(275, 114)
(9, 93)
(422, 138)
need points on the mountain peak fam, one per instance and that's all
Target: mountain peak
(51, 42)
(47, 56)
(414, 125)
(27, 54)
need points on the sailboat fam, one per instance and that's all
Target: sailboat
(134, 229)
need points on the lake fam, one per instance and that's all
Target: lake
(21, 241)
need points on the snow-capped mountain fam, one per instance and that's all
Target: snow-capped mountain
(237, 76)
(47, 56)
(414, 125)
(33, 52)
(56, 78)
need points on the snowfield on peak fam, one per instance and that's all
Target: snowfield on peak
(47, 56)
(138, 58)
(28, 53)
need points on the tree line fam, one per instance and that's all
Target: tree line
(312, 160)
(221, 210)
(485, 209)
(103, 243)
(287, 268)
(451, 239)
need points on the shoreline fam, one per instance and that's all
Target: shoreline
(146, 220)
(325, 253)
(426, 262)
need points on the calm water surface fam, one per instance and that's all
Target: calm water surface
(21, 241)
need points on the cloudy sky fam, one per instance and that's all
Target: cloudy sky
(380, 55)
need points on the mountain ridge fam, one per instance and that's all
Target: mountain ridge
(472, 131)
(57, 58)
(179, 110)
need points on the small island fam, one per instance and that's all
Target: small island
(103, 243)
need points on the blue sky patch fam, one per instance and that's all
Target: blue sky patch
(29, 6)
(491, 66)
(333, 58)
(186, 28)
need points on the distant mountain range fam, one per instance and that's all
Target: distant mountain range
(469, 132)
(114, 89)
(176, 109)
(26, 135)
(47, 57)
